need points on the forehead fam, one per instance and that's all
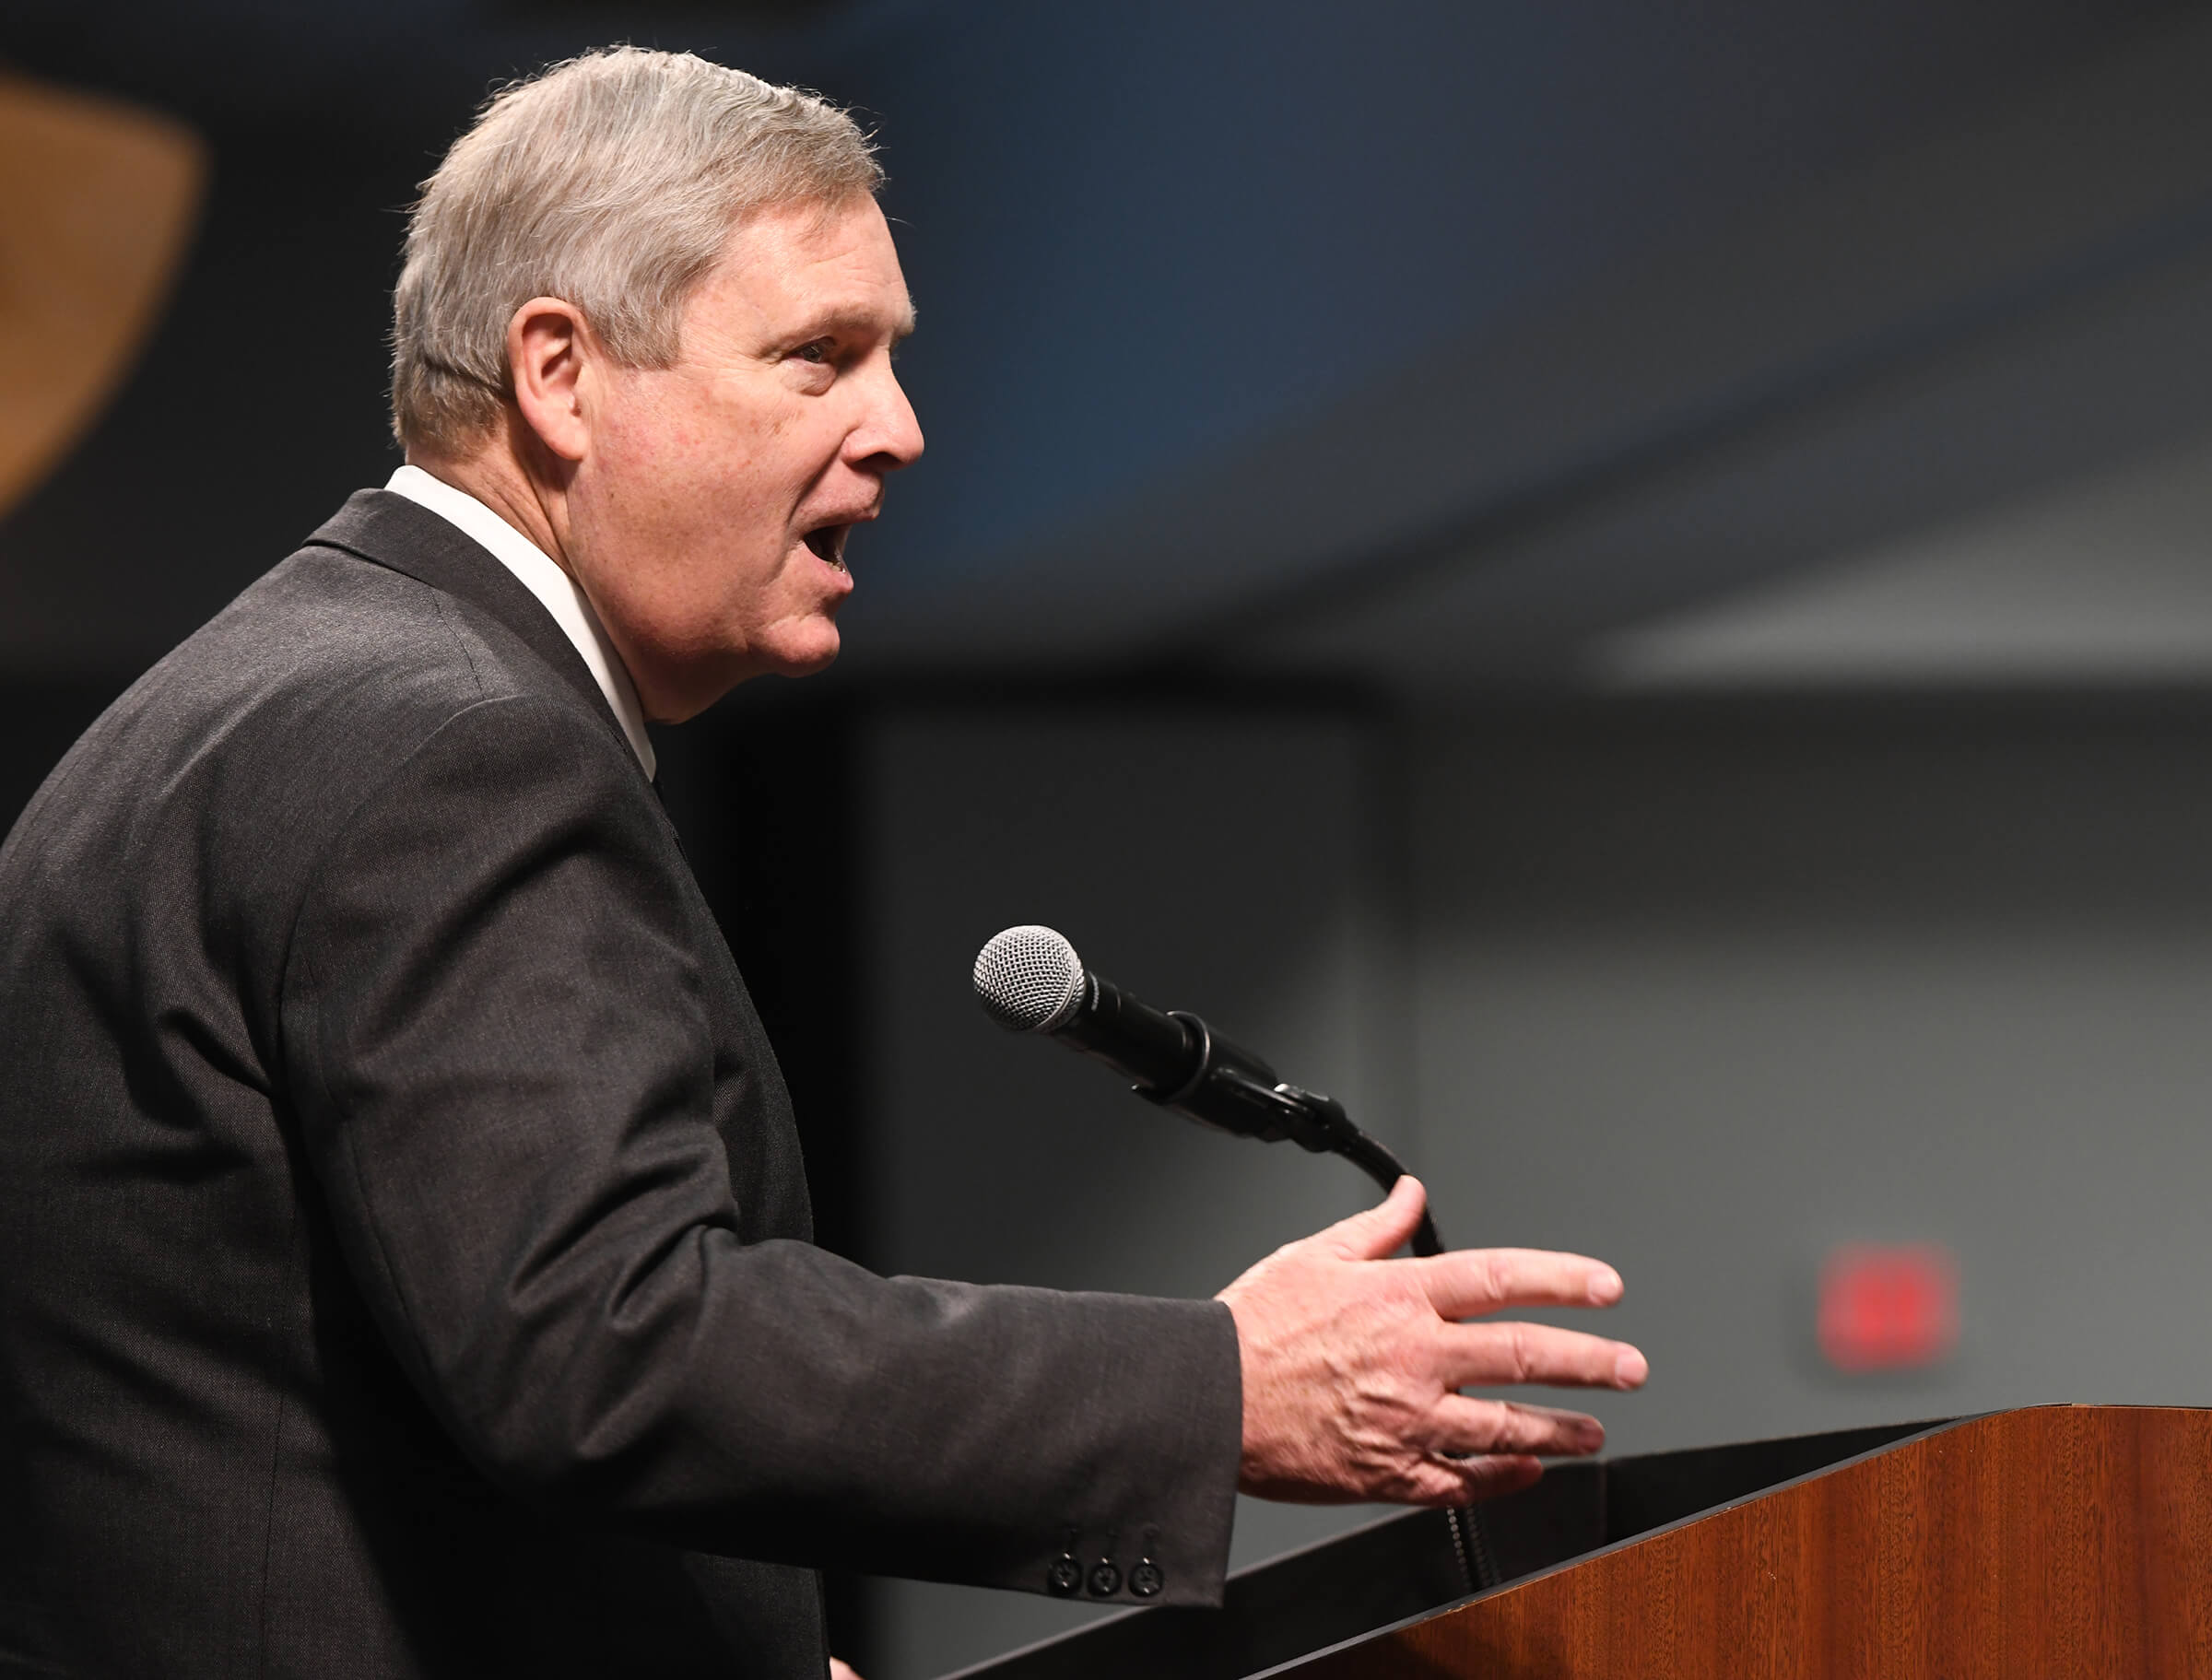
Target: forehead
(811, 266)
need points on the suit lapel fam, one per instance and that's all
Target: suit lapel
(405, 536)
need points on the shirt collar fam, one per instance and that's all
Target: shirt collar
(537, 572)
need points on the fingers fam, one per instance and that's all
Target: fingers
(1485, 1355)
(1464, 1450)
(1446, 1481)
(1468, 1281)
(1487, 1478)
(1442, 1481)
(1382, 1229)
(1462, 1428)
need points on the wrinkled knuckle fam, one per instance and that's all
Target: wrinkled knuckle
(1503, 1431)
(1426, 1482)
(1488, 1281)
(1521, 1353)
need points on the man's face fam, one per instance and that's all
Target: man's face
(708, 518)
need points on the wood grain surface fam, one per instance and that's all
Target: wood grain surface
(2055, 1541)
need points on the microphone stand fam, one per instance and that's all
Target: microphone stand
(1477, 1562)
(1369, 1155)
(1233, 1090)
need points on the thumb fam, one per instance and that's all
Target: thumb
(1383, 1229)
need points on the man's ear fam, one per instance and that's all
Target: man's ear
(553, 355)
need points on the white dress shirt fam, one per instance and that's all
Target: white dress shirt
(537, 572)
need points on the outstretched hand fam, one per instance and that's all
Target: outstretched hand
(1353, 1361)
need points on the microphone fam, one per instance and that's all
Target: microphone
(1030, 980)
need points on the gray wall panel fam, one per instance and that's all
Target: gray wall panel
(1708, 992)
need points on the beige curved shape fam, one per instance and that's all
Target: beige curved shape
(97, 203)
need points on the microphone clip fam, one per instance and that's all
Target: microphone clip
(1232, 1091)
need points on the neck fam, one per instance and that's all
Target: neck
(505, 480)
(495, 476)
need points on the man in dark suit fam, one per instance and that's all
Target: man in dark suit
(404, 1260)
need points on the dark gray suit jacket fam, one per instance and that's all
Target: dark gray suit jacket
(404, 1261)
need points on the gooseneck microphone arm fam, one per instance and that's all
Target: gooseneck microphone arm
(1030, 980)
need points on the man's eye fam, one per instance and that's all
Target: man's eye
(816, 352)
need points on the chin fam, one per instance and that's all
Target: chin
(816, 654)
(705, 681)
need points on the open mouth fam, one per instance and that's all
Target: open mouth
(829, 544)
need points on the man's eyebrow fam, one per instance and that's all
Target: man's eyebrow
(860, 322)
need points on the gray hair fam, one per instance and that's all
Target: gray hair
(614, 181)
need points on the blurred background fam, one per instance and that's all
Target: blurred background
(1625, 588)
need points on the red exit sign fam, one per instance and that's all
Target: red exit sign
(1888, 1306)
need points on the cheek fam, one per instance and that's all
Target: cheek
(694, 497)
(704, 485)
(675, 456)
(665, 431)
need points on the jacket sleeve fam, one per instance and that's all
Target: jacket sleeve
(498, 1048)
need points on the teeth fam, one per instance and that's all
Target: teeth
(829, 544)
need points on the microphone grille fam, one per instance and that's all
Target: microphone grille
(1029, 979)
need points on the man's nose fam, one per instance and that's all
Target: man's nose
(888, 436)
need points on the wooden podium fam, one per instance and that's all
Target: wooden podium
(2052, 1541)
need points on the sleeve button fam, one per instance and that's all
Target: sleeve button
(1105, 1580)
(1065, 1576)
(1146, 1580)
